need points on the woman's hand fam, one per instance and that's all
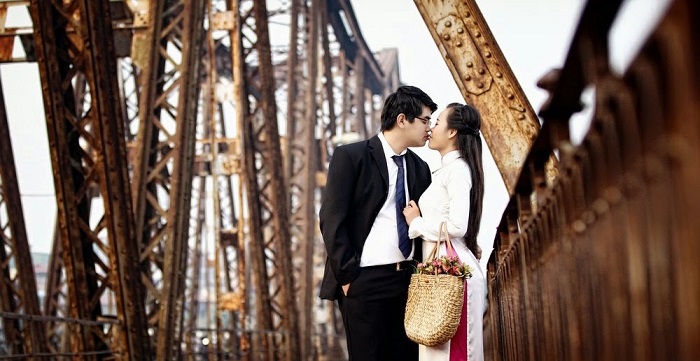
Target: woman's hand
(411, 212)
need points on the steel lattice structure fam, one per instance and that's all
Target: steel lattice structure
(188, 147)
(188, 144)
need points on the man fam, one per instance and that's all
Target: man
(369, 261)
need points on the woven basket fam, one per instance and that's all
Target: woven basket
(434, 308)
(434, 305)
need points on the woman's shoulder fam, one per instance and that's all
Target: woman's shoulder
(458, 168)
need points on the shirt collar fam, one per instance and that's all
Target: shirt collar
(449, 157)
(388, 152)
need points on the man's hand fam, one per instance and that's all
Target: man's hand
(478, 253)
(345, 289)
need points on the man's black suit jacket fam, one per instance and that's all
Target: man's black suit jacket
(357, 187)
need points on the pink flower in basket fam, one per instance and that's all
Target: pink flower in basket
(450, 265)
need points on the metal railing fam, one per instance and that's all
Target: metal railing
(602, 262)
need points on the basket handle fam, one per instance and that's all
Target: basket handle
(448, 244)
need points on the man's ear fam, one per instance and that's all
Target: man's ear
(401, 119)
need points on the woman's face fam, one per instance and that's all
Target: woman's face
(440, 136)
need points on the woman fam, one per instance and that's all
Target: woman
(456, 196)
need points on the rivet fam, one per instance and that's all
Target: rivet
(521, 117)
(482, 71)
(460, 30)
(446, 37)
(467, 14)
(511, 96)
(499, 75)
(468, 77)
(480, 85)
(478, 34)
(448, 23)
(458, 44)
(469, 64)
(488, 54)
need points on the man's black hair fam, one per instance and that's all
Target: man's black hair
(408, 100)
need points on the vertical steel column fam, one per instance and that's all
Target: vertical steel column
(330, 129)
(223, 158)
(164, 159)
(211, 136)
(56, 303)
(295, 80)
(265, 186)
(88, 153)
(275, 184)
(303, 155)
(193, 269)
(246, 132)
(18, 292)
(359, 97)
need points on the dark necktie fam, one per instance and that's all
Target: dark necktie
(401, 225)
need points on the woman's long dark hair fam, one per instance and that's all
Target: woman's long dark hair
(466, 120)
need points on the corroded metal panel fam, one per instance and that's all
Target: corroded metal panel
(485, 79)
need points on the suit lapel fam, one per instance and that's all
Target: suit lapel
(377, 151)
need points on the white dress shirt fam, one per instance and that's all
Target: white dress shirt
(382, 243)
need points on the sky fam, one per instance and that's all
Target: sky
(534, 36)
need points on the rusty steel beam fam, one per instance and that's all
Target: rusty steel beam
(244, 109)
(302, 155)
(224, 156)
(264, 181)
(509, 124)
(56, 303)
(194, 266)
(18, 291)
(87, 153)
(169, 54)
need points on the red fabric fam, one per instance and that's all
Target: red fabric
(451, 250)
(458, 344)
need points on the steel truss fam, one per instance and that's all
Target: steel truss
(186, 212)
